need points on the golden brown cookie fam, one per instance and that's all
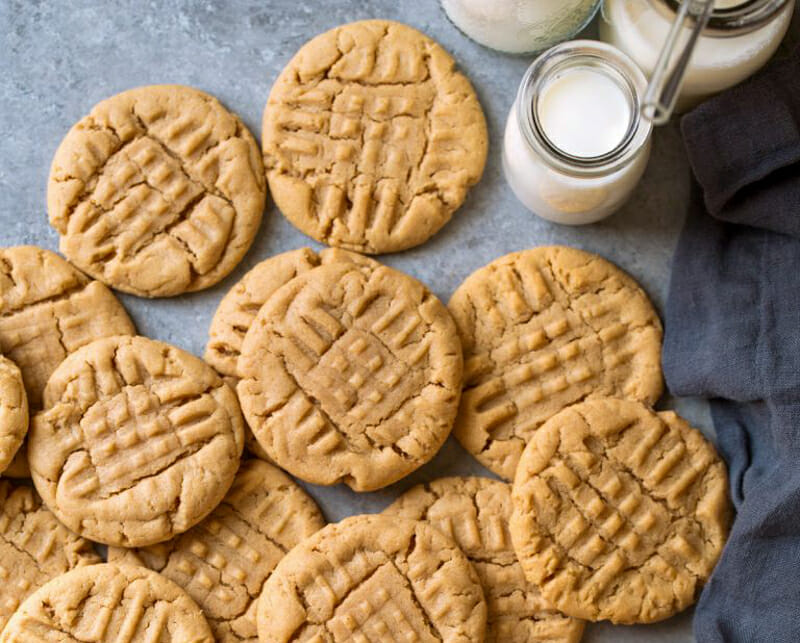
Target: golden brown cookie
(34, 547)
(543, 329)
(13, 412)
(239, 307)
(108, 603)
(158, 191)
(373, 578)
(474, 513)
(620, 513)
(223, 562)
(351, 373)
(48, 310)
(138, 441)
(371, 137)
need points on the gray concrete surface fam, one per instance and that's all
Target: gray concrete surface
(59, 58)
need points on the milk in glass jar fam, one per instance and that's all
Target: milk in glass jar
(741, 36)
(575, 144)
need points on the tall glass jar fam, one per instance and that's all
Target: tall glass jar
(520, 26)
(740, 38)
(563, 185)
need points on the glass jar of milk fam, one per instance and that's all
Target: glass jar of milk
(520, 26)
(575, 144)
(740, 38)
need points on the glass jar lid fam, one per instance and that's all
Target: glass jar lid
(733, 18)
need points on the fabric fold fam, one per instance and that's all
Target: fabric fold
(744, 149)
(732, 334)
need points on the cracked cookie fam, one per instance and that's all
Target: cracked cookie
(351, 373)
(105, 602)
(13, 413)
(158, 191)
(241, 304)
(373, 578)
(48, 310)
(34, 547)
(223, 562)
(371, 138)
(138, 441)
(542, 329)
(239, 308)
(620, 513)
(474, 512)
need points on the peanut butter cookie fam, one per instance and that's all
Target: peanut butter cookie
(13, 413)
(239, 307)
(373, 578)
(223, 562)
(158, 191)
(620, 513)
(371, 138)
(108, 602)
(138, 441)
(474, 512)
(34, 547)
(543, 329)
(351, 373)
(48, 310)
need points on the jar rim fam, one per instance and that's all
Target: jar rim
(736, 20)
(611, 61)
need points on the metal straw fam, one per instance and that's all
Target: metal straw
(667, 78)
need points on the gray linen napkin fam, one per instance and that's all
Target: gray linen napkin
(733, 335)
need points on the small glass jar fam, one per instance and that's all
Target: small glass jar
(739, 39)
(561, 184)
(520, 26)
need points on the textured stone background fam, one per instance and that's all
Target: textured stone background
(57, 59)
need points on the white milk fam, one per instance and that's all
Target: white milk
(584, 112)
(520, 26)
(640, 28)
(575, 146)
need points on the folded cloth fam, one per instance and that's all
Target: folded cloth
(744, 147)
(733, 335)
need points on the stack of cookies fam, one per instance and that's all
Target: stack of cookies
(333, 368)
